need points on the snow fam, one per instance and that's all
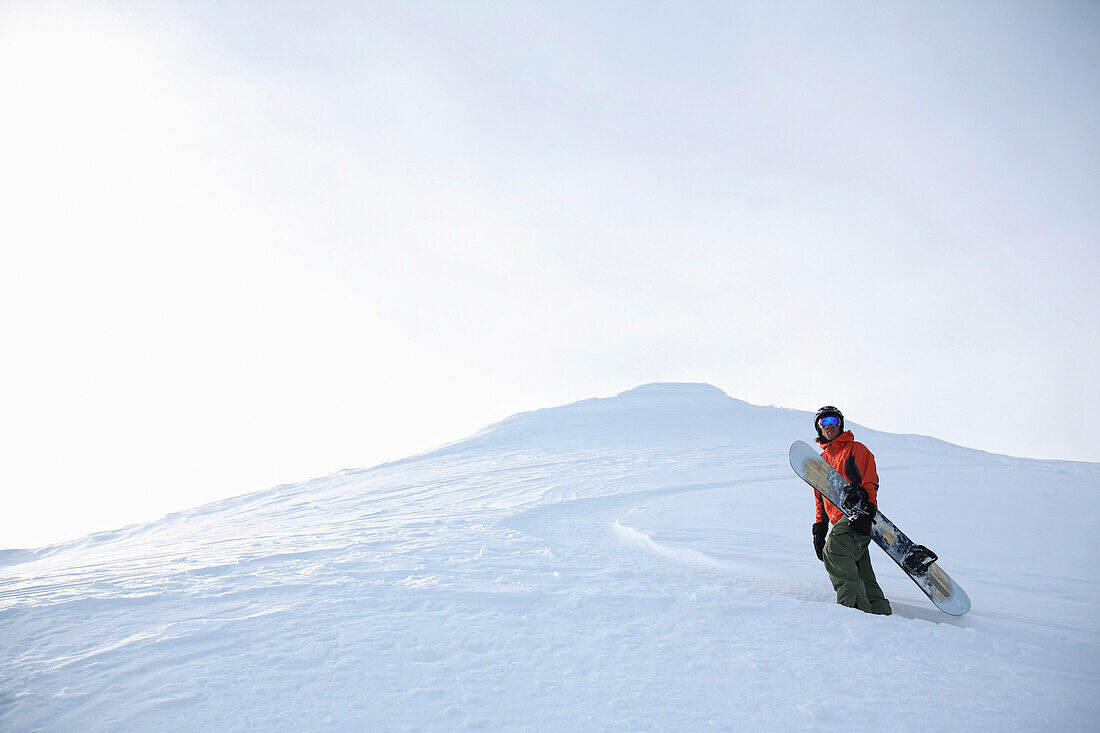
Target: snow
(640, 562)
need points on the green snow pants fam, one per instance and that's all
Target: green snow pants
(848, 563)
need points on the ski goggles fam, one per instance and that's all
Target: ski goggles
(829, 421)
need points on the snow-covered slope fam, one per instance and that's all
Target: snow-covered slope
(642, 561)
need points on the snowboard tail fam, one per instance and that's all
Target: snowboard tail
(917, 561)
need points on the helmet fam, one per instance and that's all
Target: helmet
(826, 411)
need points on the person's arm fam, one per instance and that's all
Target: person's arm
(821, 526)
(867, 468)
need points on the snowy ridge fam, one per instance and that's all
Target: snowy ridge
(640, 561)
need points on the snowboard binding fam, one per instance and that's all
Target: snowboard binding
(918, 560)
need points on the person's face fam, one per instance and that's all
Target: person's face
(830, 431)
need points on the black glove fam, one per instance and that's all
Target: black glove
(820, 530)
(856, 502)
(862, 524)
(857, 505)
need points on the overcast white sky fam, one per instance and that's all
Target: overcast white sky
(252, 243)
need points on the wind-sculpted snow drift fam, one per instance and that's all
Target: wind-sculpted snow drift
(642, 561)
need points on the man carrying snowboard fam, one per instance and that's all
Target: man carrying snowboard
(844, 550)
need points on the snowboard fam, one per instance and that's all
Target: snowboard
(915, 560)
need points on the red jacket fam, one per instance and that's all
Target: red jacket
(837, 454)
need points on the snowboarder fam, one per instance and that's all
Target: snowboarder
(844, 550)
